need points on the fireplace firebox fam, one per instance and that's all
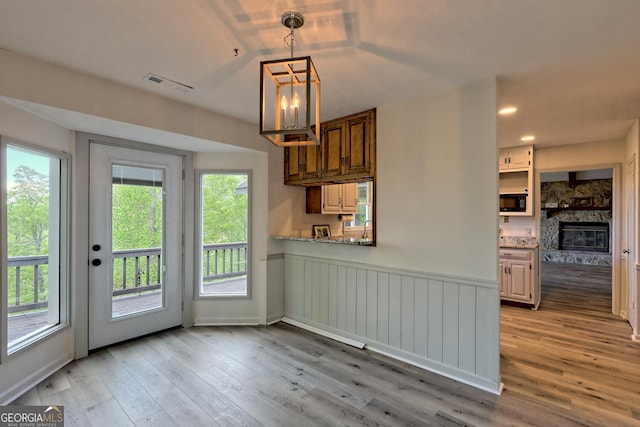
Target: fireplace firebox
(584, 236)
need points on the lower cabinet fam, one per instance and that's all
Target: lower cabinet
(520, 276)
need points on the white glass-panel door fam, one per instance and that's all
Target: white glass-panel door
(135, 240)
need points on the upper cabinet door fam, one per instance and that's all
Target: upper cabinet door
(520, 159)
(313, 163)
(358, 146)
(333, 146)
(301, 162)
(517, 158)
(350, 198)
(292, 166)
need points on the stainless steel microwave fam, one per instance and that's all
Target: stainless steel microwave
(513, 203)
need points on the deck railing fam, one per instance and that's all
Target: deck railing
(134, 271)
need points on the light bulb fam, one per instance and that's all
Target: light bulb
(295, 108)
(283, 114)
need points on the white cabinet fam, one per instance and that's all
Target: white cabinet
(520, 276)
(516, 176)
(340, 198)
(333, 199)
(515, 158)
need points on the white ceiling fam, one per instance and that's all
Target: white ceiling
(571, 66)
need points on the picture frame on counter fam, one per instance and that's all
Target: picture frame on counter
(321, 230)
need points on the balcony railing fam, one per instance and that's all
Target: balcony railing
(135, 271)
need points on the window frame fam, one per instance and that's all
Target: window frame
(64, 249)
(370, 203)
(198, 250)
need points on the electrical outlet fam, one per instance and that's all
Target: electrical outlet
(528, 232)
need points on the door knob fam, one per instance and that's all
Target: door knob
(96, 262)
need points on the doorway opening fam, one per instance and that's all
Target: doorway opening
(578, 226)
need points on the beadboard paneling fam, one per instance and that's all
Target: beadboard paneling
(446, 324)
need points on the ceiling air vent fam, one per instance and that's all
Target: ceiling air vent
(168, 83)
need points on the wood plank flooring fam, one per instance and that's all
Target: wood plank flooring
(572, 353)
(569, 363)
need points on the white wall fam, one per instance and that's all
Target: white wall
(41, 83)
(208, 311)
(30, 366)
(437, 191)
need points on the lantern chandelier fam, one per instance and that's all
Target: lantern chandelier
(290, 95)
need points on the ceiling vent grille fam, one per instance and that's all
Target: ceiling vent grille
(168, 83)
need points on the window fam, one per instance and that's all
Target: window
(224, 206)
(34, 234)
(365, 207)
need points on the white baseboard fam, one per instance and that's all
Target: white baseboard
(18, 389)
(274, 318)
(227, 321)
(324, 333)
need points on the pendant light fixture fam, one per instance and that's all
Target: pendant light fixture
(290, 95)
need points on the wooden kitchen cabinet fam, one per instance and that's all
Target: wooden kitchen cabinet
(520, 276)
(348, 146)
(347, 153)
(333, 199)
(301, 162)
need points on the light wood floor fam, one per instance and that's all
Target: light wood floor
(570, 363)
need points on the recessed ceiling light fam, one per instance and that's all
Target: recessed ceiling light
(527, 138)
(507, 110)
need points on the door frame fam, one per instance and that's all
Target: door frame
(631, 256)
(80, 229)
(619, 291)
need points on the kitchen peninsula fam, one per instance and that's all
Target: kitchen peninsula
(340, 240)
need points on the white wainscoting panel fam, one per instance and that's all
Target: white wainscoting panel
(275, 288)
(446, 324)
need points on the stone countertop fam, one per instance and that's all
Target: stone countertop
(339, 240)
(518, 242)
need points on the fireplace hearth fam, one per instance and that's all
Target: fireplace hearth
(584, 236)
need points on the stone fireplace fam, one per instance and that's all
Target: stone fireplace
(575, 221)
